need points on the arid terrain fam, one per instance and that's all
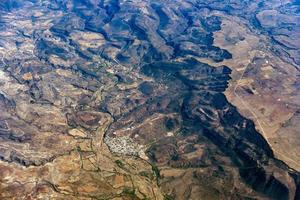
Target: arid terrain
(146, 99)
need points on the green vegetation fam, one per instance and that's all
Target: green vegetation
(146, 174)
(110, 75)
(168, 197)
(156, 171)
(129, 192)
(78, 148)
(183, 132)
(120, 163)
